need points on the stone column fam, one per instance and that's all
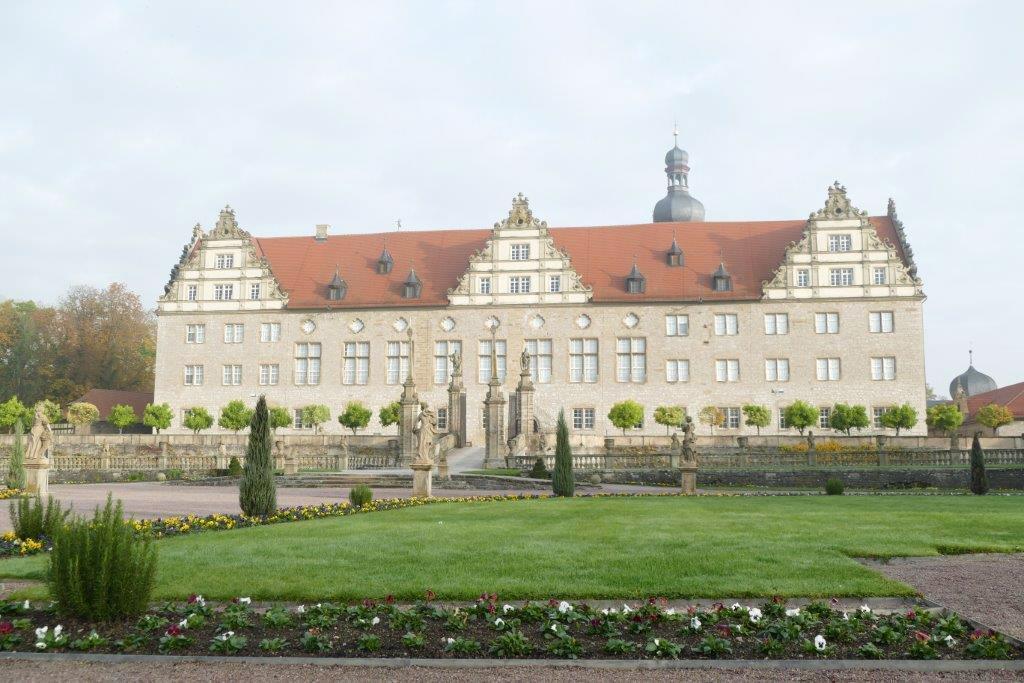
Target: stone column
(410, 403)
(161, 463)
(456, 399)
(494, 404)
(524, 403)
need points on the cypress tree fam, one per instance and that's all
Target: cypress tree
(979, 480)
(561, 479)
(257, 494)
(16, 468)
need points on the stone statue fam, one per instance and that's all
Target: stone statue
(524, 361)
(425, 431)
(456, 364)
(810, 440)
(517, 445)
(689, 452)
(676, 445)
(343, 443)
(40, 437)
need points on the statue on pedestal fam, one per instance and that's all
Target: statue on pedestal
(40, 437)
(456, 364)
(426, 432)
(524, 361)
(689, 452)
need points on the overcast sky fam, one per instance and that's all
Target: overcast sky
(122, 125)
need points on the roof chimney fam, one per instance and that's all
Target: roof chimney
(321, 232)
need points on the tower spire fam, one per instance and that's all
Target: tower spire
(677, 204)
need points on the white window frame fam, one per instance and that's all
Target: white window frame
(825, 417)
(195, 333)
(840, 243)
(727, 324)
(803, 277)
(677, 370)
(631, 360)
(234, 333)
(583, 419)
(191, 292)
(876, 416)
(776, 369)
(881, 322)
(677, 325)
(397, 362)
(883, 368)
(255, 291)
(442, 419)
(727, 370)
(485, 285)
(270, 374)
(307, 363)
(224, 261)
(483, 374)
(541, 359)
(356, 363)
(297, 422)
(194, 375)
(520, 251)
(826, 323)
(443, 367)
(776, 323)
(554, 283)
(270, 332)
(840, 277)
(519, 284)
(733, 417)
(231, 375)
(828, 369)
(583, 360)
(223, 292)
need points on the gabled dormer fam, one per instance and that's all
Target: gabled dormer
(221, 271)
(519, 264)
(840, 255)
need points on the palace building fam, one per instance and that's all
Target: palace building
(678, 311)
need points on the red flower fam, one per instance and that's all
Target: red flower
(369, 604)
(192, 599)
(389, 599)
(723, 630)
(691, 610)
(778, 599)
(174, 630)
(6, 628)
(978, 633)
(717, 606)
(552, 603)
(922, 637)
(911, 614)
(650, 601)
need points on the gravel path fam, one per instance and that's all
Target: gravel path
(987, 588)
(80, 671)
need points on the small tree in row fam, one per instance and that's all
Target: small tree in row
(670, 416)
(355, 417)
(82, 414)
(315, 415)
(280, 417)
(235, 416)
(757, 416)
(197, 419)
(800, 415)
(712, 416)
(899, 417)
(945, 417)
(994, 416)
(626, 415)
(845, 418)
(122, 416)
(157, 416)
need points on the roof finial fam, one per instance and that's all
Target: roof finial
(970, 356)
(398, 225)
(675, 133)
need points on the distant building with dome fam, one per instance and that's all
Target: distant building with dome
(971, 381)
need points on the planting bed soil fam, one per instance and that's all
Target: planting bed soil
(489, 628)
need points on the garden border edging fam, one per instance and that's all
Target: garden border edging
(435, 663)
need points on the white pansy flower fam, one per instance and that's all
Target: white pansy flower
(819, 643)
(200, 601)
(499, 622)
(41, 645)
(604, 611)
(374, 621)
(754, 614)
(507, 608)
(564, 607)
(695, 624)
(846, 617)
(950, 641)
(793, 612)
(301, 609)
(657, 642)
(448, 641)
(56, 630)
(26, 604)
(183, 623)
(41, 632)
(626, 609)
(244, 601)
(670, 611)
(864, 609)
(736, 605)
(554, 627)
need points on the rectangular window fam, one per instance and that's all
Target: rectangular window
(191, 292)
(555, 283)
(485, 285)
(677, 371)
(677, 325)
(297, 420)
(254, 291)
(803, 278)
(223, 292)
(540, 359)
(519, 284)
(782, 419)
(484, 360)
(234, 333)
(270, 332)
(828, 369)
(443, 351)
(397, 362)
(269, 374)
(880, 321)
(726, 324)
(776, 323)
(883, 368)
(825, 418)
(631, 354)
(878, 276)
(307, 363)
(442, 419)
(225, 261)
(195, 334)
(357, 363)
(876, 416)
(583, 360)
(826, 323)
(193, 375)
(840, 242)
(776, 369)
(840, 277)
(732, 418)
(582, 418)
(727, 370)
(520, 252)
(232, 375)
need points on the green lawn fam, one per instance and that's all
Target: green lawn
(596, 547)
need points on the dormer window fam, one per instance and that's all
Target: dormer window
(412, 286)
(225, 261)
(521, 252)
(721, 281)
(385, 262)
(840, 242)
(336, 288)
(675, 255)
(636, 283)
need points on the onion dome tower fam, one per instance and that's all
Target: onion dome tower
(971, 381)
(678, 204)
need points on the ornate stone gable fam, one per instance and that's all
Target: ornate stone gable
(840, 255)
(222, 270)
(519, 264)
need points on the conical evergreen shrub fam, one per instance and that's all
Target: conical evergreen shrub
(16, 468)
(979, 480)
(561, 479)
(257, 493)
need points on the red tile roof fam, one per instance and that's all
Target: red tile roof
(601, 255)
(105, 399)
(1011, 396)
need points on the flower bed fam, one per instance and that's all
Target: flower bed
(489, 628)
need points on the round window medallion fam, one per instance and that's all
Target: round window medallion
(583, 322)
(356, 325)
(448, 324)
(492, 323)
(400, 325)
(308, 326)
(631, 320)
(536, 322)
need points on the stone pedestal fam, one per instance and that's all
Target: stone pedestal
(161, 463)
(673, 459)
(689, 479)
(496, 448)
(291, 462)
(37, 477)
(524, 404)
(410, 410)
(456, 404)
(422, 473)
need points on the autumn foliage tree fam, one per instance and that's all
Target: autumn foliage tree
(994, 416)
